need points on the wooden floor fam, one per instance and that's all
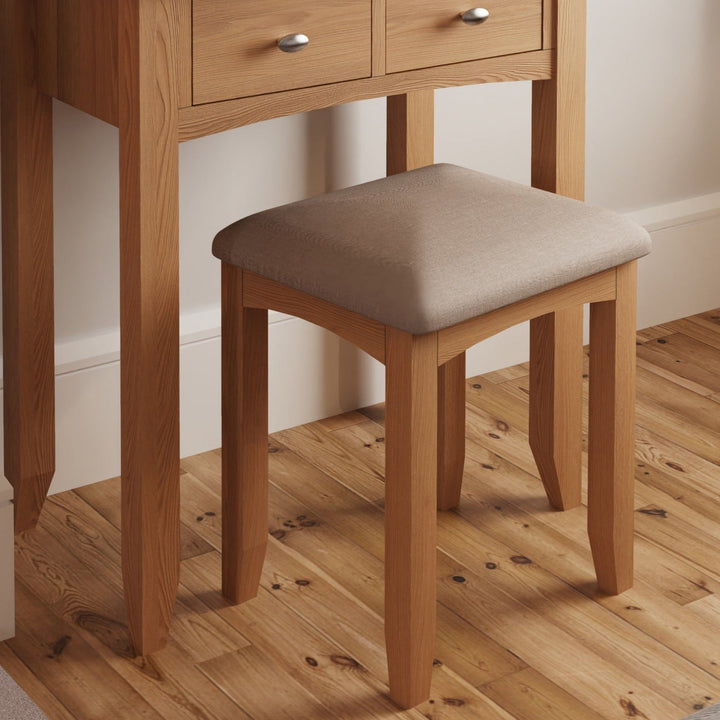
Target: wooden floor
(522, 633)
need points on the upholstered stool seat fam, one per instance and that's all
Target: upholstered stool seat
(415, 269)
(426, 249)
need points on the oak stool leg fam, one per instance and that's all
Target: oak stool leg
(451, 432)
(612, 434)
(244, 440)
(27, 267)
(410, 513)
(555, 426)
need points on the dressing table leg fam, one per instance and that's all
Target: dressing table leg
(558, 165)
(149, 307)
(27, 267)
(555, 426)
(410, 131)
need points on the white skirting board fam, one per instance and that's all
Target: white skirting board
(313, 374)
(7, 573)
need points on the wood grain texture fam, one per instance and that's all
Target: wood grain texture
(235, 51)
(549, 23)
(47, 46)
(410, 525)
(611, 434)
(183, 12)
(149, 324)
(244, 436)
(558, 109)
(32, 685)
(451, 432)
(460, 337)
(27, 266)
(378, 37)
(410, 131)
(87, 57)
(519, 617)
(426, 33)
(529, 695)
(555, 430)
(79, 53)
(243, 676)
(285, 622)
(368, 335)
(201, 120)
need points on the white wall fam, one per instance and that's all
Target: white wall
(653, 140)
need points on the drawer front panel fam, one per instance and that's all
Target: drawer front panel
(425, 33)
(235, 51)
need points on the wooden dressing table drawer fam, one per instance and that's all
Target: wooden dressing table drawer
(425, 33)
(236, 53)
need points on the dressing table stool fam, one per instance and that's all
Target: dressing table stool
(415, 269)
(165, 72)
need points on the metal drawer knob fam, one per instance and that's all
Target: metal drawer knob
(475, 16)
(293, 43)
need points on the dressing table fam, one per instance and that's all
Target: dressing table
(168, 71)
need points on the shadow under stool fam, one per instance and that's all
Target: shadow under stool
(415, 269)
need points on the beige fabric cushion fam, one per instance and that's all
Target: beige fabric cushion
(429, 248)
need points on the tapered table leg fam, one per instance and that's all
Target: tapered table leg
(558, 165)
(410, 513)
(27, 267)
(149, 317)
(611, 438)
(556, 404)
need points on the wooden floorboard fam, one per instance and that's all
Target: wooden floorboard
(522, 631)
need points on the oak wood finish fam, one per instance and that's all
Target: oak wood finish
(368, 335)
(558, 165)
(87, 57)
(451, 432)
(183, 13)
(558, 108)
(235, 51)
(244, 436)
(460, 337)
(149, 306)
(427, 33)
(549, 35)
(410, 131)
(611, 434)
(27, 267)
(556, 403)
(78, 53)
(379, 8)
(410, 526)
(201, 120)
(47, 46)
